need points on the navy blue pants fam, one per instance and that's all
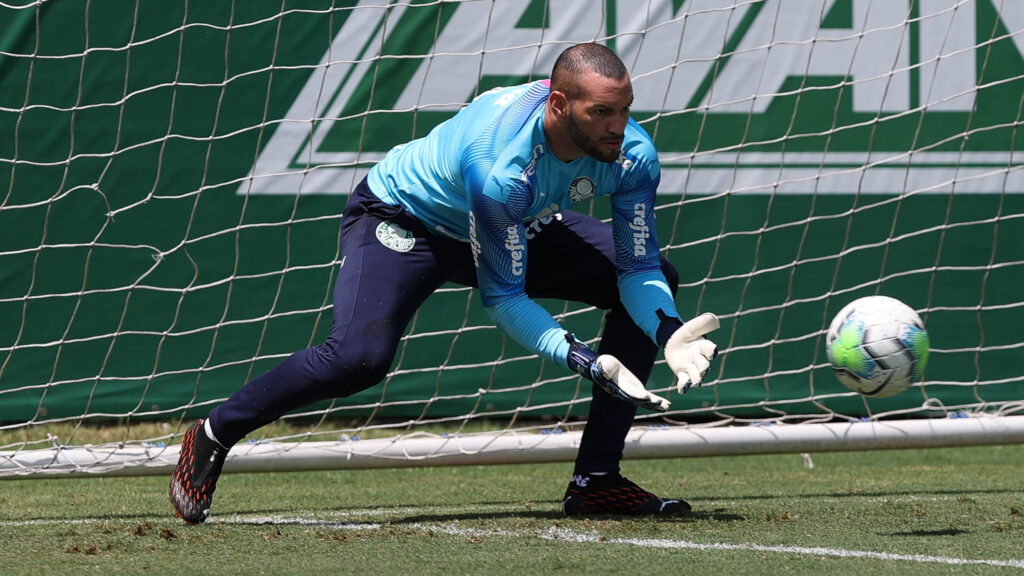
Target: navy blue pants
(379, 289)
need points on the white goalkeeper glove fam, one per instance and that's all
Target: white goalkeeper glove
(608, 372)
(689, 353)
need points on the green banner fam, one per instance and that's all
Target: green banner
(172, 175)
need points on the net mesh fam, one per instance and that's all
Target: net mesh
(172, 179)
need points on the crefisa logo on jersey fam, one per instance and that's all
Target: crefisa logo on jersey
(516, 248)
(641, 232)
(474, 243)
(534, 227)
(395, 237)
(581, 189)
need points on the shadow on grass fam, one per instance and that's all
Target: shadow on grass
(503, 511)
(718, 515)
(928, 533)
(856, 494)
(546, 510)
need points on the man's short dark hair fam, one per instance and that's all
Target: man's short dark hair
(576, 60)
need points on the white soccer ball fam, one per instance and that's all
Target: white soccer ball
(878, 346)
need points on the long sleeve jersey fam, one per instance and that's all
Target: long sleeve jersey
(486, 173)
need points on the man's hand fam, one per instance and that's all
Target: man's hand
(689, 353)
(608, 372)
(618, 381)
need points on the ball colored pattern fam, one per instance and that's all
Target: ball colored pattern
(847, 352)
(917, 340)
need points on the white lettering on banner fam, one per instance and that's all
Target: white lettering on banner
(868, 53)
(640, 230)
(516, 249)
(675, 54)
(753, 73)
(465, 48)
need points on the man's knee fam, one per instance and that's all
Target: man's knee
(349, 369)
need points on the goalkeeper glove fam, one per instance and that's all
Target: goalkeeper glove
(608, 372)
(689, 353)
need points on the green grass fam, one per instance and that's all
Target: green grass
(750, 513)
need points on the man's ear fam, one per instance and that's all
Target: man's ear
(559, 103)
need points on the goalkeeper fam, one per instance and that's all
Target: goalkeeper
(468, 203)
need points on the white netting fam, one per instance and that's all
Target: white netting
(172, 177)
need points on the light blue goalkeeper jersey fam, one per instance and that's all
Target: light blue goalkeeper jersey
(488, 171)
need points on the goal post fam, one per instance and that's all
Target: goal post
(172, 177)
(521, 446)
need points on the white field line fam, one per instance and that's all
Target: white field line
(335, 520)
(564, 534)
(594, 537)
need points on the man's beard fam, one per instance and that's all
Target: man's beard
(589, 145)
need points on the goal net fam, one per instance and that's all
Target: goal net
(172, 176)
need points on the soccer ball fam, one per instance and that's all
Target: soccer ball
(877, 346)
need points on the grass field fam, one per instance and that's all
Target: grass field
(937, 511)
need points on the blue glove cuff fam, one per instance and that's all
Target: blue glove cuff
(667, 326)
(583, 361)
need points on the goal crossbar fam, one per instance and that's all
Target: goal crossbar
(510, 447)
